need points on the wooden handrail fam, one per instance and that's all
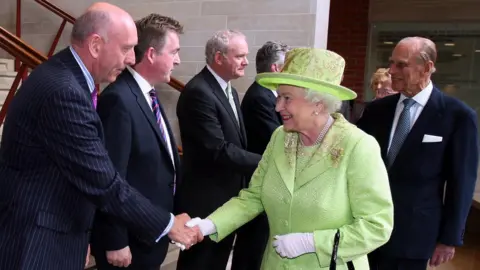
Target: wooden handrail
(174, 83)
(62, 14)
(31, 52)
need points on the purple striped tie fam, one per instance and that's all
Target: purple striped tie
(94, 97)
(158, 115)
(156, 111)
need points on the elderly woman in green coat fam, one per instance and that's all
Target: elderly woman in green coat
(321, 179)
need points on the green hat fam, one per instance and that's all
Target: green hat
(316, 69)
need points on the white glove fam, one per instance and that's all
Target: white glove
(293, 245)
(206, 226)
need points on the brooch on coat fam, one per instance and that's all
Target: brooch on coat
(336, 155)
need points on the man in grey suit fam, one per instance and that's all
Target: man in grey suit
(54, 169)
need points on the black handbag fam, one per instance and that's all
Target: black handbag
(333, 260)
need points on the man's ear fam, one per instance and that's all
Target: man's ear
(95, 44)
(219, 58)
(150, 55)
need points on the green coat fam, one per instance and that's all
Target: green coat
(344, 186)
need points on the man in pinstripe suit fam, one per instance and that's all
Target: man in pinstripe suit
(54, 169)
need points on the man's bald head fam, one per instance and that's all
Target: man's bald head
(102, 19)
(104, 37)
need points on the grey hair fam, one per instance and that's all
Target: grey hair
(92, 22)
(219, 43)
(427, 50)
(331, 103)
(270, 53)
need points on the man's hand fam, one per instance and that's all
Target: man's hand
(182, 234)
(120, 258)
(442, 254)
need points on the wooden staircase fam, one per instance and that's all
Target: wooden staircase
(7, 76)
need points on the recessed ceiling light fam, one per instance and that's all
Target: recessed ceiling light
(388, 42)
(477, 50)
(449, 44)
(457, 55)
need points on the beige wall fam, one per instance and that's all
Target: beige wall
(289, 21)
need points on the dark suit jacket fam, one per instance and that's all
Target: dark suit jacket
(139, 153)
(55, 171)
(215, 161)
(261, 119)
(420, 171)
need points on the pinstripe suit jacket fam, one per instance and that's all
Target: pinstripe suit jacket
(55, 172)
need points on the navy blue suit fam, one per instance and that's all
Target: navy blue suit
(138, 151)
(420, 171)
(55, 172)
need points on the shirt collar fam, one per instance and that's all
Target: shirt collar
(145, 86)
(222, 82)
(422, 97)
(86, 73)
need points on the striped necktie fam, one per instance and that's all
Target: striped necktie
(401, 131)
(94, 96)
(158, 114)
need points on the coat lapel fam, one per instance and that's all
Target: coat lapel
(242, 129)
(285, 158)
(145, 107)
(220, 94)
(329, 153)
(385, 124)
(429, 116)
(71, 63)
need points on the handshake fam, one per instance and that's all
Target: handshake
(186, 231)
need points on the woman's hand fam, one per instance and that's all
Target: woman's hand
(293, 245)
(206, 226)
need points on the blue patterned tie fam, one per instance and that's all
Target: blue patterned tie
(156, 111)
(401, 132)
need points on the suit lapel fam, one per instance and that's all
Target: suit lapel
(329, 153)
(220, 94)
(286, 160)
(173, 143)
(386, 122)
(241, 125)
(272, 98)
(429, 116)
(144, 106)
(71, 63)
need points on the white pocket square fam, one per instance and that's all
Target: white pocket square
(431, 138)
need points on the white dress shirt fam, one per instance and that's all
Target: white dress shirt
(421, 100)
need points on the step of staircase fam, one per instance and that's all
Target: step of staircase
(7, 64)
(6, 79)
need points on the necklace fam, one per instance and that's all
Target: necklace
(323, 132)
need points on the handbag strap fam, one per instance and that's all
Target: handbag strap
(333, 259)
